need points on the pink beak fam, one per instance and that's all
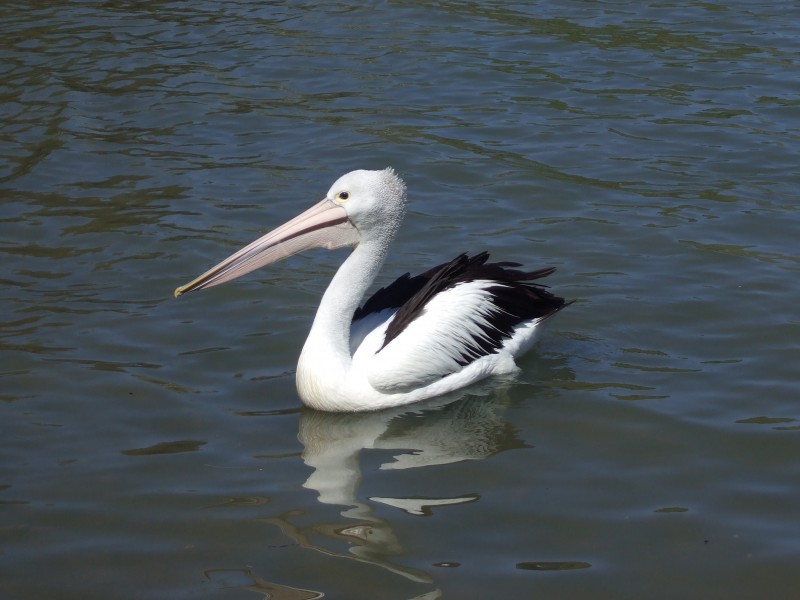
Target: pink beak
(324, 225)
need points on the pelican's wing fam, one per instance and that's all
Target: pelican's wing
(466, 310)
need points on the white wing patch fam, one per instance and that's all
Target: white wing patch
(360, 329)
(433, 345)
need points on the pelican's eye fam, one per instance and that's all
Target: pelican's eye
(343, 196)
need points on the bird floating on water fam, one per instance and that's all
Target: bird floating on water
(418, 337)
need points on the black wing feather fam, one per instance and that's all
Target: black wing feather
(516, 299)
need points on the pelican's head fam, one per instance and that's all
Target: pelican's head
(374, 201)
(361, 205)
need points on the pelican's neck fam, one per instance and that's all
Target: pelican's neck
(329, 338)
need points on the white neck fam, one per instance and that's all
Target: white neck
(326, 353)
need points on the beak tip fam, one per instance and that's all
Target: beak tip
(178, 292)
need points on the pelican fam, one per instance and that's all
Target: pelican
(414, 339)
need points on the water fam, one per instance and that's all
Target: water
(155, 448)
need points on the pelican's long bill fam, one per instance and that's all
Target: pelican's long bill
(324, 225)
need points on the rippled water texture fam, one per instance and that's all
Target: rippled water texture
(155, 448)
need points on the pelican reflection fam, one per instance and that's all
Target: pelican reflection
(438, 432)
